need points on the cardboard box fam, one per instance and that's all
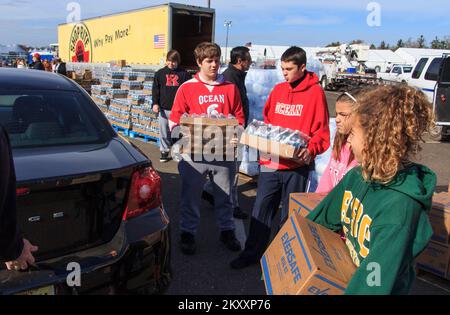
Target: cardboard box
(121, 63)
(117, 93)
(87, 75)
(77, 76)
(303, 203)
(440, 218)
(306, 259)
(269, 146)
(206, 122)
(131, 85)
(435, 259)
(200, 142)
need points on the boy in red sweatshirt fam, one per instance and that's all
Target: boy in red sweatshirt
(206, 93)
(298, 104)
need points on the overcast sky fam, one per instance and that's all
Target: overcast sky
(270, 22)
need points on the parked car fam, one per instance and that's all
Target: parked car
(398, 73)
(84, 194)
(431, 75)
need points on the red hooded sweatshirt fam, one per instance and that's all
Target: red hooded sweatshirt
(198, 97)
(303, 108)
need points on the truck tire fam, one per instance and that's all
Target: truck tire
(436, 133)
(323, 83)
(377, 69)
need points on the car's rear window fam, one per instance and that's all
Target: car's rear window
(49, 118)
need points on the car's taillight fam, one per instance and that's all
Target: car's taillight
(443, 98)
(145, 193)
(22, 191)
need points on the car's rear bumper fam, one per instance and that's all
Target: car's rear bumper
(136, 260)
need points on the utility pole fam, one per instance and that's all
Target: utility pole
(209, 4)
(227, 24)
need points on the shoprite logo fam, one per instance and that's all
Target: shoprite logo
(80, 46)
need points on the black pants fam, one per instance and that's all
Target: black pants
(273, 187)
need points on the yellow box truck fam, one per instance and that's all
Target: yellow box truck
(141, 37)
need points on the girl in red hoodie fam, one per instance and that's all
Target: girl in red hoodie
(298, 104)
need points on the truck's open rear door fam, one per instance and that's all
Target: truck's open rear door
(442, 94)
(190, 26)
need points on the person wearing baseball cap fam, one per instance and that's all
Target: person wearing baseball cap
(37, 64)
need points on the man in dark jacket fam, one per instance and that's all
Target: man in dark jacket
(37, 64)
(60, 67)
(165, 86)
(15, 251)
(236, 72)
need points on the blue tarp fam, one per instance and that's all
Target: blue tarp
(44, 56)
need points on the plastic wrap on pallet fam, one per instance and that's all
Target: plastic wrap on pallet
(132, 85)
(130, 75)
(119, 111)
(114, 119)
(111, 83)
(145, 76)
(260, 82)
(111, 74)
(148, 109)
(282, 135)
(121, 102)
(103, 107)
(145, 128)
(147, 88)
(213, 115)
(249, 164)
(99, 89)
(138, 98)
(148, 85)
(103, 99)
(131, 93)
(113, 93)
(148, 100)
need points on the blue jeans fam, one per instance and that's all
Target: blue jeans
(193, 177)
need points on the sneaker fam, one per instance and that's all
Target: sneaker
(187, 243)
(242, 262)
(165, 157)
(239, 214)
(230, 240)
(208, 197)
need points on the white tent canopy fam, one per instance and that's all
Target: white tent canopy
(261, 52)
(387, 55)
(412, 55)
(382, 59)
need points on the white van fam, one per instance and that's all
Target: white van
(431, 74)
(399, 73)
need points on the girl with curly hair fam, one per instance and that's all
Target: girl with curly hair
(382, 204)
(342, 158)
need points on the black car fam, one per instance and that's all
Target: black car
(87, 197)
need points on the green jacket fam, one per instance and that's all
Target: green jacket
(386, 226)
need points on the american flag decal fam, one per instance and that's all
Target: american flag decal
(159, 41)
